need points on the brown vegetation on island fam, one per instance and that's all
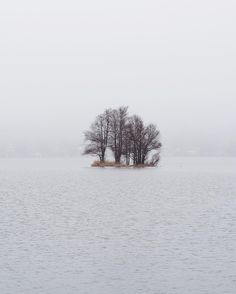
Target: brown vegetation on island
(98, 163)
(132, 143)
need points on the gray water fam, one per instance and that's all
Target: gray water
(66, 228)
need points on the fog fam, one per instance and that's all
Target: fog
(63, 62)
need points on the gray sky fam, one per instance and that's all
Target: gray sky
(173, 62)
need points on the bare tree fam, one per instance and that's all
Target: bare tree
(150, 142)
(136, 131)
(127, 148)
(98, 135)
(117, 135)
(143, 140)
(155, 159)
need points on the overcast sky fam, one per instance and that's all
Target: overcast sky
(172, 62)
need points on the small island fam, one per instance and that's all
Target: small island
(127, 138)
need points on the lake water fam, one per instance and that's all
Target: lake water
(66, 228)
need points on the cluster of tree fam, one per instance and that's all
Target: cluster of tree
(129, 139)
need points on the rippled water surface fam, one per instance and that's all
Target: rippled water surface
(66, 228)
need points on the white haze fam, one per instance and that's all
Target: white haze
(172, 62)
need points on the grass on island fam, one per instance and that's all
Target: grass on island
(98, 163)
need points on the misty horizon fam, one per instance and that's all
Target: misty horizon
(172, 63)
